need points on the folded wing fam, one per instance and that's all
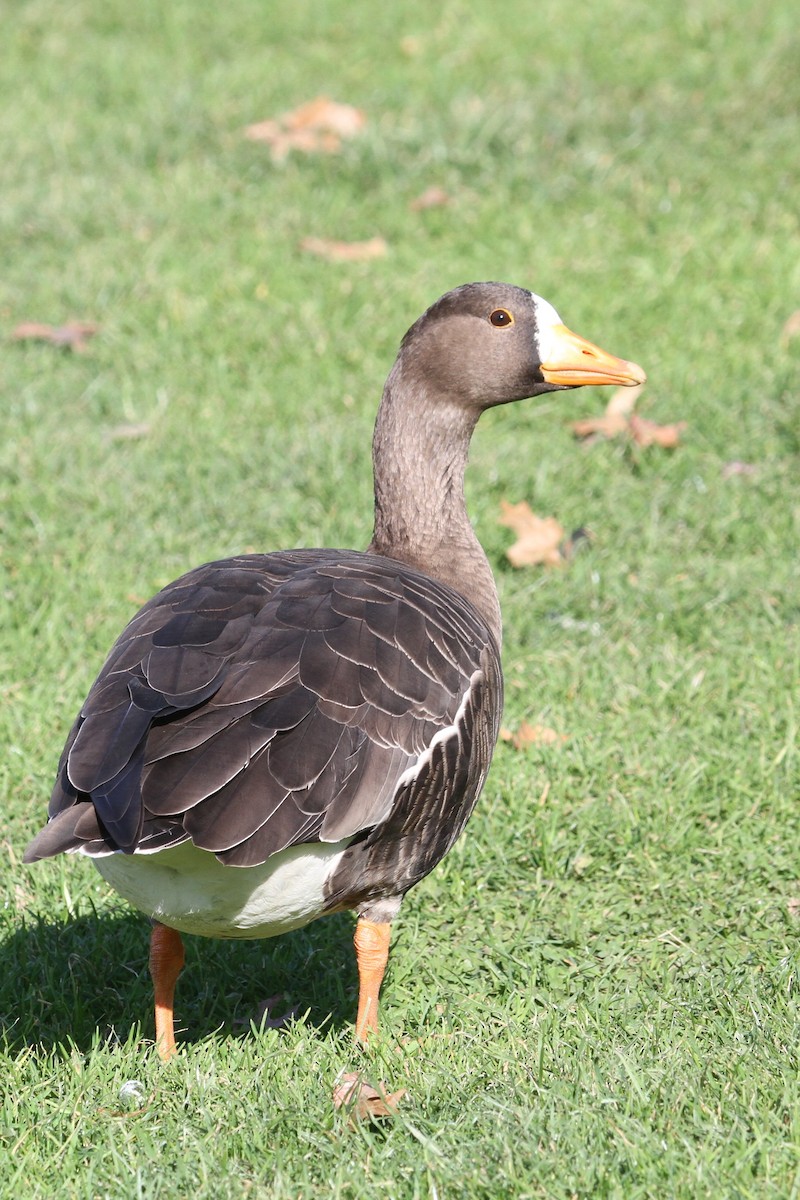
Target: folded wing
(269, 700)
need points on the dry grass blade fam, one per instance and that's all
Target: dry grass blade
(72, 335)
(364, 1102)
(129, 432)
(336, 251)
(730, 470)
(432, 197)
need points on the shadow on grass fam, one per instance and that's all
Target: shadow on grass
(67, 982)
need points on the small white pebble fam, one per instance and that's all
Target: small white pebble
(133, 1089)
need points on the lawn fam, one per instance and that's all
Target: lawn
(596, 994)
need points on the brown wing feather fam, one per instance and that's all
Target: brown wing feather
(267, 700)
(432, 804)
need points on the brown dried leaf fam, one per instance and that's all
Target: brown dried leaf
(73, 335)
(791, 328)
(334, 251)
(323, 113)
(793, 907)
(363, 1101)
(539, 539)
(649, 433)
(432, 197)
(615, 418)
(620, 418)
(318, 126)
(533, 735)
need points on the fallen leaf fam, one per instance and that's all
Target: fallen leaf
(731, 469)
(615, 418)
(432, 197)
(362, 1100)
(539, 539)
(345, 251)
(73, 335)
(620, 418)
(533, 735)
(791, 328)
(793, 907)
(649, 433)
(323, 113)
(318, 126)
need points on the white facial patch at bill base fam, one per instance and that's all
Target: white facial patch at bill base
(547, 321)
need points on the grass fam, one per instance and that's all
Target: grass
(596, 994)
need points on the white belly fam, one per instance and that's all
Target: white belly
(190, 890)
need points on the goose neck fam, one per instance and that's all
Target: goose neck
(420, 452)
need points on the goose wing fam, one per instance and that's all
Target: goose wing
(269, 700)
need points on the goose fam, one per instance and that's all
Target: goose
(279, 736)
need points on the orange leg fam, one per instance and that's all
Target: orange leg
(372, 954)
(166, 963)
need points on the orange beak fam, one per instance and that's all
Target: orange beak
(572, 361)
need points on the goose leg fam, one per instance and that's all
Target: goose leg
(372, 954)
(166, 963)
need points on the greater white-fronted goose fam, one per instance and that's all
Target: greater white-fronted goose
(279, 736)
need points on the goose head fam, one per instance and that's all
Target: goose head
(485, 344)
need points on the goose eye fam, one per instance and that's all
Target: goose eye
(500, 317)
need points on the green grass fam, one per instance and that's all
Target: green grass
(596, 994)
